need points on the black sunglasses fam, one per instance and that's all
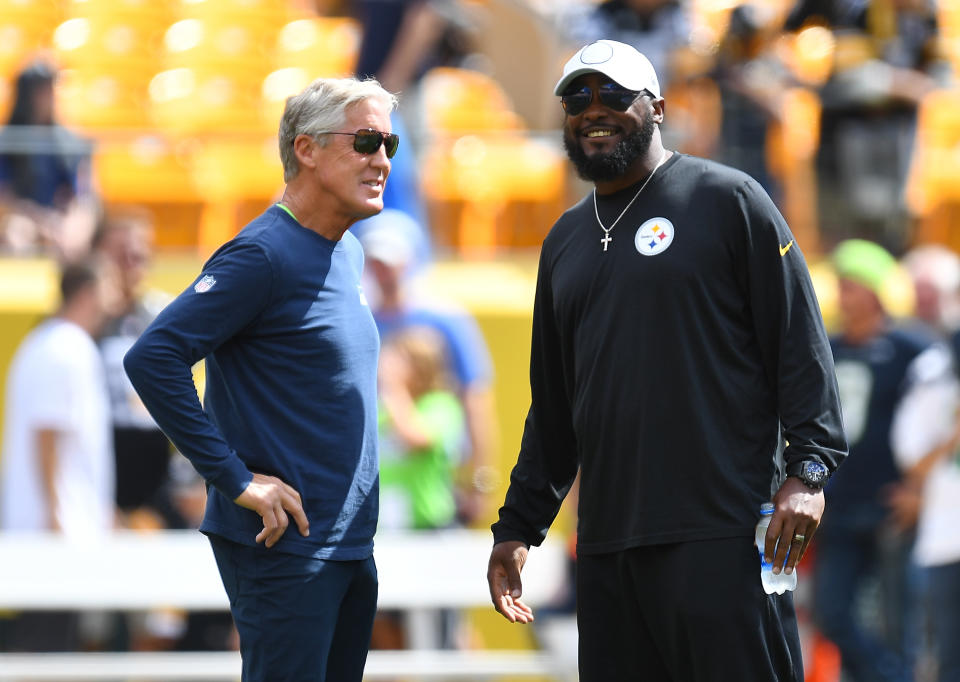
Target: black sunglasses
(368, 141)
(611, 95)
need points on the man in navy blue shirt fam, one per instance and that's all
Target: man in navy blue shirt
(289, 424)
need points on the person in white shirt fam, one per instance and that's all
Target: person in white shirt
(57, 466)
(928, 427)
(56, 471)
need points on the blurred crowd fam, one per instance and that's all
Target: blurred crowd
(81, 455)
(770, 87)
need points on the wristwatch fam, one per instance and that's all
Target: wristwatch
(814, 474)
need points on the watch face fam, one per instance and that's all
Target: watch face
(815, 473)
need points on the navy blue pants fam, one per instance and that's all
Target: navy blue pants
(944, 600)
(300, 619)
(684, 612)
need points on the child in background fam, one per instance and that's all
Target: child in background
(421, 431)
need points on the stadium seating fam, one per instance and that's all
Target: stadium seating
(458, 101)
(323, 45)
(26, 27)
(488, 183)
(181, 96)
(478, 183)
(933, 188)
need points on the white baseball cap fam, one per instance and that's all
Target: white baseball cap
(621, 62)
(388, 237)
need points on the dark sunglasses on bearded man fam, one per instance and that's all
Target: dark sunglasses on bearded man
(613, 96)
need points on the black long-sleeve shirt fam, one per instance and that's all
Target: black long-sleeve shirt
(671, 367)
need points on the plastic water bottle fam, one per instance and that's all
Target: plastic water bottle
(771, 582)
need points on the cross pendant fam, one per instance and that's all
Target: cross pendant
(606, 240)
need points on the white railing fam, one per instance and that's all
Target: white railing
(419, 573)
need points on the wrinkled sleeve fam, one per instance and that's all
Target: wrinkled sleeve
(234, 286)
(547, 463)
(793, 342)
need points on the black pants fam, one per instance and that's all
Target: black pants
(684, 612)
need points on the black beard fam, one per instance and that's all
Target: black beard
(604, 167)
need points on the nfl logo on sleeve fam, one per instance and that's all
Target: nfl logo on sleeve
(205, 284)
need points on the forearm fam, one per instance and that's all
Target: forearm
(917, 474)
(46, 441)
(163, 379)
(421, 27)
(544, 474)
(402, 414)
(482, 426)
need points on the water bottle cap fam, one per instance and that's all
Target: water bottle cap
(766, 509)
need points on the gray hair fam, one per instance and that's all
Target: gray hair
(322, 106)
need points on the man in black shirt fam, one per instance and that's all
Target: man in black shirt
(679, 360)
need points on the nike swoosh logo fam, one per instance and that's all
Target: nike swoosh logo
(784, 249)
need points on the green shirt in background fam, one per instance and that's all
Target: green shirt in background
(416, 486)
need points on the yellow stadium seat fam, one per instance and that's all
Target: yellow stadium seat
(230, 46)
(18, 44)
(267, 16)
(104, 43)
(933, 185)
(280, 85)
(458, 101)
(31, 12)
(324, 46)
(25, 29)
(486, 176)
(100, 101)
(809, 53)
(155, 11)
(239, 169)
(229, 173)
(187, 101)
(156, 173)
(146, 169)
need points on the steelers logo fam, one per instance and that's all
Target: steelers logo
(654, 237)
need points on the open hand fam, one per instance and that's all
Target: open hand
(503, 577)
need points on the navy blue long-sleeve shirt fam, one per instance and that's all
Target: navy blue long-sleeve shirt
(291, 361)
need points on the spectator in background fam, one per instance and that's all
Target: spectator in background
(880, 367)
(57, 465)
(751, 80)
(930, 494)
(421, 427)
(888, 56)
(935, 271)
(142, 451)
(45, 201)
(398, 306)
(421, 430)
(416, 246)
(401, 41)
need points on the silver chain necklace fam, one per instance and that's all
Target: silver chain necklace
(606, 230)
